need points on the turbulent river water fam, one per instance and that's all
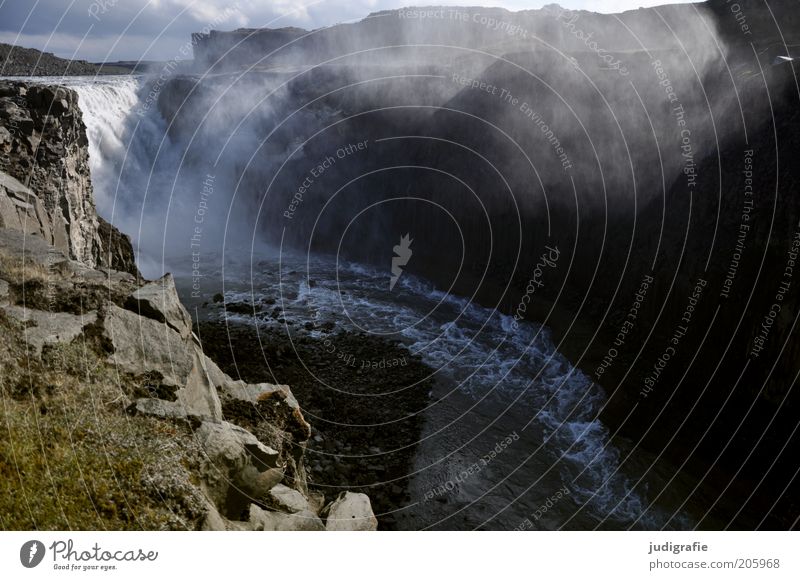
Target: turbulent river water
(511, 438)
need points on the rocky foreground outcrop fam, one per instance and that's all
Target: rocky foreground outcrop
(185, 445)
(43, 146)
(242, 479)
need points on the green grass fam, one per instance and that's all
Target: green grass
(72, 458)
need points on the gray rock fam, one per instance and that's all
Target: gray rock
(199, 395)
(215, 374)
(159, 300)
(262, 520)
(261, 456)
(17, 245)
(229, 446)
(227, 457)
(48, 152)
(21, 209)
(257, 484)
(350, 512)
(286, 499)
(142, 345)
(213, 521)
(305, 521)
(253, 393)
(49, 327)
(274, 401)
(160, 408)
(230, 451)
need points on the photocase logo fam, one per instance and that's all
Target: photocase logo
(402, 255)
(31, 553)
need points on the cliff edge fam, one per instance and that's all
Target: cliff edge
(43, 146)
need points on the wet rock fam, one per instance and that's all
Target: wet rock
(239, 308)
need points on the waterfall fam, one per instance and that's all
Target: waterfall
(106, 104)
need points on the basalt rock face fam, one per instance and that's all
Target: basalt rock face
(43, 145)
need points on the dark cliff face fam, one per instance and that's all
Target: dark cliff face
(666, 190)
(43, 145)
(495, 30)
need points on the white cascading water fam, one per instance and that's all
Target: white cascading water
(106, 104)
(135, 170)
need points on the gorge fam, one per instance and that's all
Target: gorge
(598, 231)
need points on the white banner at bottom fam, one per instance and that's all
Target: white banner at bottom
(352, 556)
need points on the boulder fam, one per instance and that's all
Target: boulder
(350, 512)
(159, 408)
(274, 403)
(159, 300)
(142, 345)
(286, 499)
(305, 521)
(231, 447)
(253, 393)
(215, 374)
(231, 450)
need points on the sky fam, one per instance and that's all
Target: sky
(110, 30)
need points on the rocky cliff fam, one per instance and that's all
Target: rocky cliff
(117, 419)
(20, 61)
(43, 146)
(494, 30)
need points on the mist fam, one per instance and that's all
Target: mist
(486, 132)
